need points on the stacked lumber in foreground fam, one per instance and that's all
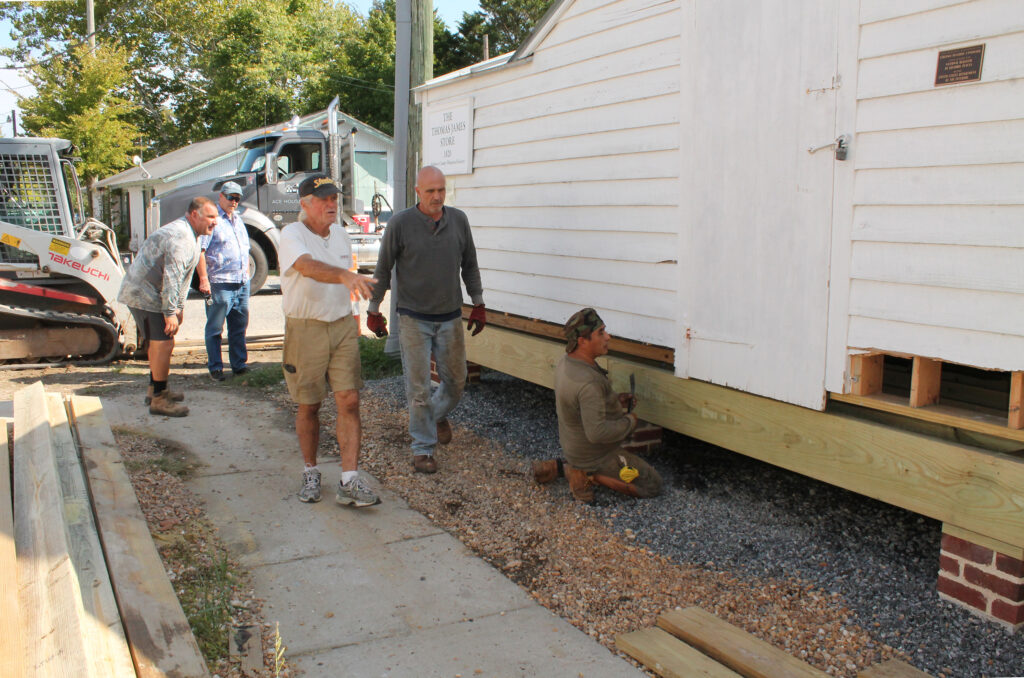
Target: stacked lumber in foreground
(693, 642)
(92, 597)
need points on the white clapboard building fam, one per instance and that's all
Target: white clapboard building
(820, 202)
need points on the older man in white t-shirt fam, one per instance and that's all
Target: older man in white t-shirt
(321, 345)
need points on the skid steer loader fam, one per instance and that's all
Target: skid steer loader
(59, 271)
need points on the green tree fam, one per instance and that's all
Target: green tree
(78, 98)
(510, 22)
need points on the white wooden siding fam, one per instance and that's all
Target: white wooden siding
(574, 194)
(937, 244)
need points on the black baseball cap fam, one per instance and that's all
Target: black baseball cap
(320, 185)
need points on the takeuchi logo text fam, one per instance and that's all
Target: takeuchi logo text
(88, 270)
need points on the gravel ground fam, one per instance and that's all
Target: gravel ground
(834, 577)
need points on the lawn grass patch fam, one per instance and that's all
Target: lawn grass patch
(377, 364)
(260, 377)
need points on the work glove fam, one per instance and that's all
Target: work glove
(377, 323)
(477, 320)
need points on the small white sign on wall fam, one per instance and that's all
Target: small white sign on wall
(448, 137)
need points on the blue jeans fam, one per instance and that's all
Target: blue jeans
(230, 301)
(447, 341)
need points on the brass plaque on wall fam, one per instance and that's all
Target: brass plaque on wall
(959, 65)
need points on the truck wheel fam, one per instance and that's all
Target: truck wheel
(257, 267)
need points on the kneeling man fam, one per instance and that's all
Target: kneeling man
(593, 421)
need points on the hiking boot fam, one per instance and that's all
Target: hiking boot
(424, 463)
(240, 371)
(310, 492)
(163, 404)
(356, 493)
(580, 485)
(444, 432)
(217, 375)
(176, 396)
(547, 471)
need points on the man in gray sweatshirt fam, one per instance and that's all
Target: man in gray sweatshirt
(431, 248)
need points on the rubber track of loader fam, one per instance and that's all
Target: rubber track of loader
(107, 331)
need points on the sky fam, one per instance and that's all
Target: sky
(11, 80)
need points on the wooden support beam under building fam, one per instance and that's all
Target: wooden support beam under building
(925, 380)
(866, 374)
(1016, 419)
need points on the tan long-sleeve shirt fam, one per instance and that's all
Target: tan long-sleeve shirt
(591, 421)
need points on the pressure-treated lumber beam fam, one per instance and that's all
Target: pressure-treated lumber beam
(159, 636)
(1016, 419)
(979, 491)
(12, 646)
(866, 374)
(925, 379)
(55, 644)
(670, 657)
(101, 623)
(893, 668)
(732, 646)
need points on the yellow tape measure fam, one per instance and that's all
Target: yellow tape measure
(627, 473)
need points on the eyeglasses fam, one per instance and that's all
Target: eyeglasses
(233, 198)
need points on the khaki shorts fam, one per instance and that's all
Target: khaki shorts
(319, 354)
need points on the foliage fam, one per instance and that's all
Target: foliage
(377, 364)
(79, 99)
(510, 22)
(261, 377)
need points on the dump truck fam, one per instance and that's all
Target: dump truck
(270, 171)
(60, 271)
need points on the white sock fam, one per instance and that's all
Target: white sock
(312, 468)
(347, 476)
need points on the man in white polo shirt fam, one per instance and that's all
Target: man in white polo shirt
(321, 345)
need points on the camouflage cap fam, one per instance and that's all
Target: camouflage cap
(581, 324)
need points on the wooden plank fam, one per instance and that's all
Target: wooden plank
(956, 417)
(992, 226)
(670, 657)
(957, 185)
(983, 143)
(976, 490)
(1014, 551)
(983, 102)
(659, 275)
(984, 350)
(554, 331)
(12, 647)
(925, 382)
(612, 142)
(991, 269)
(628, 245)
(1016, 418)
(866, 373)
(881, 10)
(55, 641)
(159, 636)
(893, 668)
(101, 622)
(659, 219)
(978, 20)
(42, 342)
(734, 647)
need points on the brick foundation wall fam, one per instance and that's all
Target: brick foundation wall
(984, 581)
(646, 437)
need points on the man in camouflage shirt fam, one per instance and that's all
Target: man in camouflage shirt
(593, 421)
(155, 289)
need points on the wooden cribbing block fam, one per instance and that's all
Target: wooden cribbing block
(866, 374)
(159, 637)
(734, 647)
(105, 644)
(670, 657)
(893, 668)
(1016, 400)
(925, 379)
(48, 591)
(12, 647)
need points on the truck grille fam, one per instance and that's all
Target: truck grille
(28, 198)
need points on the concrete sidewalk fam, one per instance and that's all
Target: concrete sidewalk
(371, 592)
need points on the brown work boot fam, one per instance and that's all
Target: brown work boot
(444, 432)
(546, 471)
(176, 396)
(424, 463)
(162, 404)
(580, 484)
(617, 485)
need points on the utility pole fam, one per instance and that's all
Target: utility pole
(14, 122)
(487, 47)
(90, 23)
(414, 65)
